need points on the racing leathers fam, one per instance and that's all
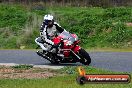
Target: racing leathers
(47, 34)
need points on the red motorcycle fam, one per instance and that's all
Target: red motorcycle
(67, 50)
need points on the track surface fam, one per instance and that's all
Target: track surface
(115, 61)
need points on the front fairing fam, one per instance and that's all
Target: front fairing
(66, 36)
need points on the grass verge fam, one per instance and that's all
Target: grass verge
(66, 81)
(95, 26)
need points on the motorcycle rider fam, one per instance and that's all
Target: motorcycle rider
(49, 29)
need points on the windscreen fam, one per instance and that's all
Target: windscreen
(67, 36)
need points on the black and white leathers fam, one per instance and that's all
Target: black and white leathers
(46, 34)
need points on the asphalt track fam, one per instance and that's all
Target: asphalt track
(114, 61)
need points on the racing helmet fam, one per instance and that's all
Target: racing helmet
(48, 18)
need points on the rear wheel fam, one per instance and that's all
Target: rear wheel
(54, 59)
(85, 58)
(49, 56)
(54, 62)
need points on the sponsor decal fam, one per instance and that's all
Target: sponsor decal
(101, 78)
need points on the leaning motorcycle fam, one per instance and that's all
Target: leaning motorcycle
(67, 50)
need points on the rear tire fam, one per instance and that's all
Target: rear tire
(53, 58)
(85, 58)
(54, 62)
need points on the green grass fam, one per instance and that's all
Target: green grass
(18, 26)
(95, 26)
(25, 67)
(66, 81)
(13, 17)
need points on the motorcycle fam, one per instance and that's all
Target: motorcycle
(67, 50)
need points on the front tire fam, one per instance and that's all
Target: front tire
(85, 58)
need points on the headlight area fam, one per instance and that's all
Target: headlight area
(68, 43)
(76, 38)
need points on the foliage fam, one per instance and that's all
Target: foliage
(13, 17)
(64, 81)
(22, 66)
(95, 26)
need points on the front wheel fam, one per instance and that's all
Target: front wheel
(85, 58)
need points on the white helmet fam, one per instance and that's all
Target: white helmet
(48, 18)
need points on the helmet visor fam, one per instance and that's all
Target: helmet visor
(47, 21)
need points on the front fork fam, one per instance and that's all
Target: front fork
(76, 49)
(75, 52)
